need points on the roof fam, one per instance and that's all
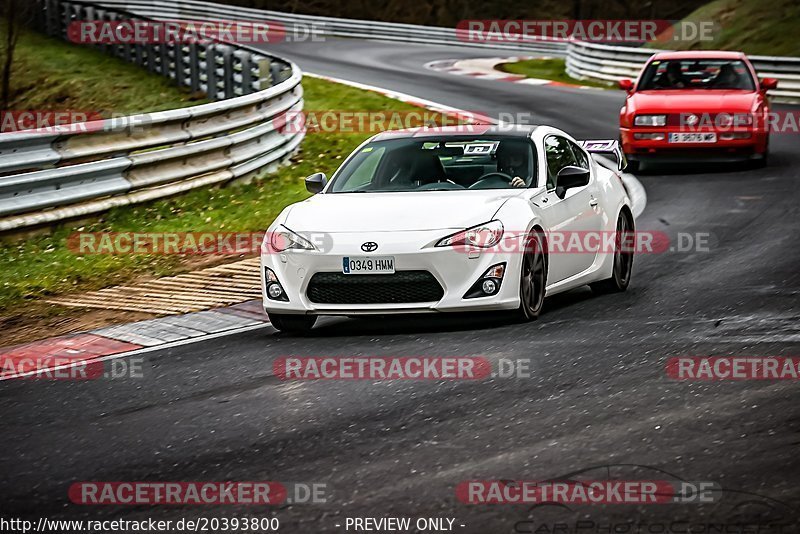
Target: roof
(699, 54)
(520, 131)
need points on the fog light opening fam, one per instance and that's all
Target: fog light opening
(489, 286)
(274, 291)
(274, 288)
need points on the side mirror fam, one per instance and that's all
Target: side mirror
(316, 182)
(768, 84)
(570, 177)
(626, 84)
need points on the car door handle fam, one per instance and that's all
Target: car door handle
(593, 202)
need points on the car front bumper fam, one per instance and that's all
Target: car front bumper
(752, 147)
(455, 270)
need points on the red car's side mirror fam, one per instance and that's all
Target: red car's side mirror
(768, 84)
(626, 84)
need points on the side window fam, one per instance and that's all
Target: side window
(559, 155)
(580, 156)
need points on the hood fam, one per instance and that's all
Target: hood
(391, 212)
(692, 101)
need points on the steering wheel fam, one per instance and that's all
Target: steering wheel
(490, 175)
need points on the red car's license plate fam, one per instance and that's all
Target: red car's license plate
(692, 138)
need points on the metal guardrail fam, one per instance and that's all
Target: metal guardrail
(328, 26)
(89, 168)
(611, 63)
(584, 60)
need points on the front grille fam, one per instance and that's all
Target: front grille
(398, 288)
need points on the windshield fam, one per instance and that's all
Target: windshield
(697, 74)
(436, 164)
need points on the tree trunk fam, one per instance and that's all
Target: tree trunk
(12, 32)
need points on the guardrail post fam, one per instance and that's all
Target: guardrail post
(66, 20)
(52, 17)
(275, 73)
(151, 57)
(212, 88)
(178, 55)
(194, 68)
(264, 73)
(229, 81)
(166, 60)
(246, 63)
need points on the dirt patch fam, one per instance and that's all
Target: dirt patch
(39, 319)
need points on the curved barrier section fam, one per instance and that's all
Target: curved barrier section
(330, 26)
(611, 63)
(55, 174)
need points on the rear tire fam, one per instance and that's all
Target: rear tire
(292, 324)
(533, 278)
(623, 261)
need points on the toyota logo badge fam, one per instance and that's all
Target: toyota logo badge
(369, 246)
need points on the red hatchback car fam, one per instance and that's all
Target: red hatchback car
(696, 106)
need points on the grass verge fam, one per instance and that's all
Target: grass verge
(751, 26)
(547, 69)
(51, 75)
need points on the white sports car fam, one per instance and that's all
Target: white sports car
(445, 220)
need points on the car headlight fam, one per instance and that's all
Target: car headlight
(650, 120)
(482, 236)
(284, 239)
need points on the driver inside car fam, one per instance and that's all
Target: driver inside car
(512, 160)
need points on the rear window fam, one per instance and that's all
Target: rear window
(708, 74)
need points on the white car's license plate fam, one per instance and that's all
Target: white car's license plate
(693, 137)
(368, 265)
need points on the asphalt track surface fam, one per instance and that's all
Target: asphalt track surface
(598, 394)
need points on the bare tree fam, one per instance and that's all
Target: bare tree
(11, 18)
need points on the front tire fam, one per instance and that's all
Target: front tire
(292, 324)
(623, 258)
(533, 278)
